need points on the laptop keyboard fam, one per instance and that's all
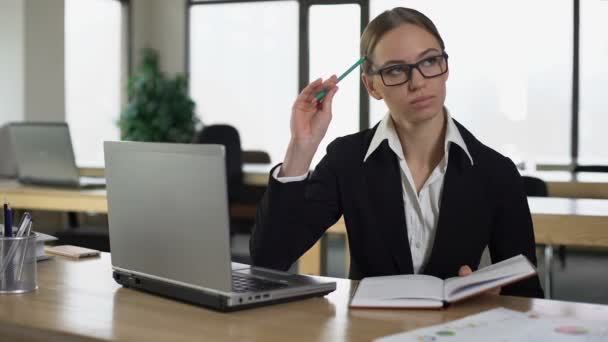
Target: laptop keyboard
(244, 283)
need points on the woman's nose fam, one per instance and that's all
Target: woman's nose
(416, 79)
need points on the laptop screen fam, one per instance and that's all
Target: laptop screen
(168, 212)
(43, 151)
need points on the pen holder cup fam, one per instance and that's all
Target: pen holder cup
(18, 264)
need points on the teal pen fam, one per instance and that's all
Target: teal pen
(324, 92)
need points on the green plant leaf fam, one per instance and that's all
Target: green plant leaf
(159, 107)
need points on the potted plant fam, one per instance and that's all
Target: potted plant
(159, 107)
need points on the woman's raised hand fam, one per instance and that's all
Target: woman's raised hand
(310, 119)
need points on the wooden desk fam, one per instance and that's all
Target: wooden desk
(74, 200)
(586, 184)
(557, 221)
(578, 189)
(256, 174)
(559, 183)
(253, 174)
(571, 222)
(53, 199)
(79, 301)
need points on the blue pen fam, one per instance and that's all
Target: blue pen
(8, 222)
(5, 214)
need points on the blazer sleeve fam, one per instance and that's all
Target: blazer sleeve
(292, 216)
(513, 232)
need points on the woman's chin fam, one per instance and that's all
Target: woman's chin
(422, 116)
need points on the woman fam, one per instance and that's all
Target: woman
(418, 192)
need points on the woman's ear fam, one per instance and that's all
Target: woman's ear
(369, 85)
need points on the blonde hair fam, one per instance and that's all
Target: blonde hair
(388, 21)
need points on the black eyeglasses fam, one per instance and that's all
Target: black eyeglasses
(398, 74)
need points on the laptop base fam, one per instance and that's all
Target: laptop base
(192, 296)
(100, 184)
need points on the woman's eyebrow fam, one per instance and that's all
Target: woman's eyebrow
(400, 61)
(427, 51)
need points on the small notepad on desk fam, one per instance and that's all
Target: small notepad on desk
(74, 252)
(424, 291)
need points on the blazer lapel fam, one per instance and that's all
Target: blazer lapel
(455, 210)
(386, 197)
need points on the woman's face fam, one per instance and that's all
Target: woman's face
(419, 99)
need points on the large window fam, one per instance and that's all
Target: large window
(510, 77)
(244, 69)
(92, 75)
(593, 82)
(332, 52)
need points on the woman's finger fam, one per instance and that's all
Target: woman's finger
(328, 99)
(464, 271)
(309, 91)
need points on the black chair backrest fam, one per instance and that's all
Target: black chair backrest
(591, 168)
(535, 187)
(229, 137)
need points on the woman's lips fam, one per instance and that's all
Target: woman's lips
(421, 101)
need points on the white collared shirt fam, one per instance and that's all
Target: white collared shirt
(421, 210)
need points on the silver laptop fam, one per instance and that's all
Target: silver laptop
(169, 229)
(8, 166)
(44, 155)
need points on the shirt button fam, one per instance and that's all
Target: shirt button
(417, 244)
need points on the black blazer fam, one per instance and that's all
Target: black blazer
(481, 205)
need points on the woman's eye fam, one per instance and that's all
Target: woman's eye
(429, 61)
(395, 70)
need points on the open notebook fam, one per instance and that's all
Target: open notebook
(423, 291)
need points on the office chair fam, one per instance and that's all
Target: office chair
(240, 226)
(229, 137)
(535, 187)
(93, 236)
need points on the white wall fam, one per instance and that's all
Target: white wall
(44, 60)
(11, 60)
(160, 24)
(31, 60)
(32, 56)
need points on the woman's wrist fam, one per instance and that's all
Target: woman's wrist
(298, 158)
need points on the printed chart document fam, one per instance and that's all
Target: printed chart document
(423, 291)
(506, 325)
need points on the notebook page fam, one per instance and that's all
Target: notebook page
(380, 291)
(488, 277)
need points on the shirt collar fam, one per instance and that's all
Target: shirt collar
(386, 131)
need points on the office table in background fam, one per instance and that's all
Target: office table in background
(585, 184)
(79, 301)
(559, 183)
(29, 197)
(53, 199)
